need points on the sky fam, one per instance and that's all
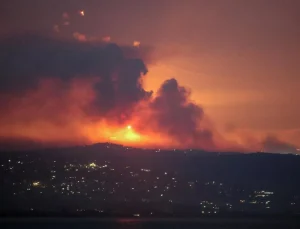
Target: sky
(239, 58)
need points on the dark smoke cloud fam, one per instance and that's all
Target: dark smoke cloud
(26, 59)
(179, 117)
(274, 145)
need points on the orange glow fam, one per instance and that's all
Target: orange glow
(53, 116)
(79, 36)
(136, 43)
(105, 131)
(81, 12)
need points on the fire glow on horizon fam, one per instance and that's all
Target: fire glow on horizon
(97, 95)
(126, 135)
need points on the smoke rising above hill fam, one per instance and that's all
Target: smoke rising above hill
(58, 90)
(27, 60)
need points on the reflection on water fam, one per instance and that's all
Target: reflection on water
(77, 223)
(129, 223)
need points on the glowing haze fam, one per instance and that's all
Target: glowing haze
(60, 91)
(224, 74)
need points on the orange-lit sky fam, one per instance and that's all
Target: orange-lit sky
(239, 57)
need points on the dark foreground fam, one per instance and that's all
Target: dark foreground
(206, 223)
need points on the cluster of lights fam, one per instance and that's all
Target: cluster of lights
(263, 193)
(146, 170)
(36, 183)
(70, 187)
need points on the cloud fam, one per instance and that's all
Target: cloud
(62, 91)
(27, 59)
(65, 16)
(274, 145)
(175, 114)
(56, 91)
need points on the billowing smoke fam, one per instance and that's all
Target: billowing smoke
(275, 145)
(179, 117)
(54, 90)
(26, 60)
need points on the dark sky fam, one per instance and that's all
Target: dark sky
(239, 57)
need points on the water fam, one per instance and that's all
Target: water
(77, 223)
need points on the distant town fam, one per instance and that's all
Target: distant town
(107, 179)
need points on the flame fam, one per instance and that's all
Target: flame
(136, 44)
(124, 135)
(55, 112)
(53, 117)
(44, 116)
(81, 12)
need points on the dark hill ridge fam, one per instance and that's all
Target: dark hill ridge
(278, 169)
(109, 175)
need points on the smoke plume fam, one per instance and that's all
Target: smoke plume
(179, 117)
(273, 144)
(27, 60)
(54, 91)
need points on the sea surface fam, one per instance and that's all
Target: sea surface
(85, 223)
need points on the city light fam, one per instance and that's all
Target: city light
(110, 178)
(92, 165)
(36, 183)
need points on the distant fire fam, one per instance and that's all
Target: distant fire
(136, 43)
(81, 12)
(44, 116)
(84, 92)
